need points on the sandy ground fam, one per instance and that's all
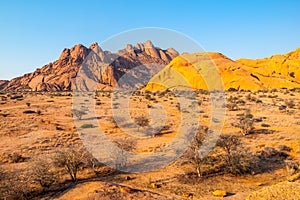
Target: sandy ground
(34, 134)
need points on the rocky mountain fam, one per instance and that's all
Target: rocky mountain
(105, 67)
(144, 63)
(277, 71)
(201, 71)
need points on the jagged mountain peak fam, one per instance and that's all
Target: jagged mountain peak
(60, 74)
(95, 47)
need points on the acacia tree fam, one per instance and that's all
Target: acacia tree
(78, 113)
(71, 160)
(195, 155)
(246, 122)
(142, 121)
(120, 155)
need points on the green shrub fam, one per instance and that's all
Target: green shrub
(87, 126)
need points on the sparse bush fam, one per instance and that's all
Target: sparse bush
(120, 155)
(28, 104)
(238, 159)
(233, 102)
(270, 153)
(142, 121)
(18, 97)
(232, 106)
(41, 172)
(195, 156)
(284, 148)
(246, 122)
(292, 167)
(148, 97)
(232, 90)
(282, 107)
(93, 164)
(28, 111)
(78, 113)
(39, 112)
(15, 158)
(126, 143)
(290, 104)
(71, 160)
(58, 128)
(273, 96)
(15, 185)
(265, 125)
(12, 158)
(87, 126)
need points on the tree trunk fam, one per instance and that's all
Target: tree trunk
(199, 172)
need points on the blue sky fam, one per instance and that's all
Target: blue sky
(34, 32)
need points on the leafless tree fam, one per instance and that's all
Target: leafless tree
(195, 154)
(125, 145)
(142, 121)
(71, 160)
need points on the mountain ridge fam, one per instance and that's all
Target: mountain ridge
(275, 72)
(60, 75)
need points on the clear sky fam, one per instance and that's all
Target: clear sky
(34, 32)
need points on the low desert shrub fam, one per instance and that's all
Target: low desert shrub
(41, 172)
(238, 159)
(29, 111)
(246, 122)
(142, 121)
(78, 113)
(87, 126)
(292, 167)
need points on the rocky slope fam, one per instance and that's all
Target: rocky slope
(3, 83)
(278, 71)
(201, 71)
(107, 67)
(142, 61)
